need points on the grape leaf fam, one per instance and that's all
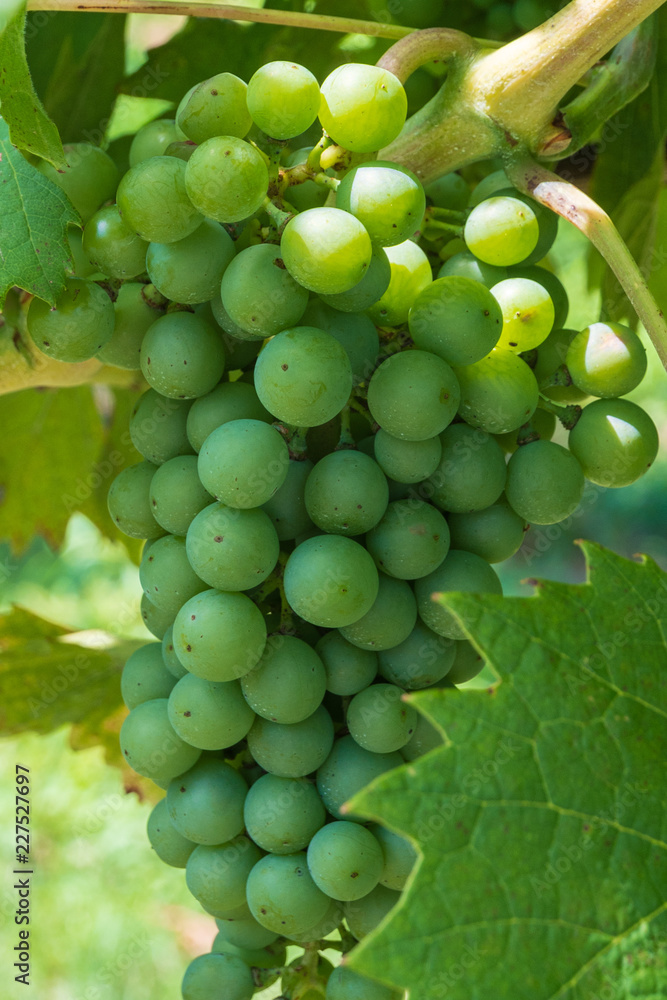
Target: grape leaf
(542, 821)
(35, 214)
(30, 126)
(52, 676)
(51, 443)
(78, 72)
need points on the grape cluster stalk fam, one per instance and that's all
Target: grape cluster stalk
(354, 382)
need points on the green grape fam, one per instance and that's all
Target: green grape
(219, 636)
(177, 495)
(80, 266)
(283, 814)
(246, 933)
(527, 312)
(369, 290)
(547, 222)
(215, 107)
(545, 482)
(550, 282)
(495, 533)
(346, 984)
(326, 250)
(171, 660)
(153, 200)
(363, 107)
(461, 571)
(330, 581)
(232, 549)
(226, 178)
(615, 442)
(551, 355)
(258, 293)
(210, 977)
(156, 620)
(232, 914)
(389, 621)
(273, 957)
(448, 191)
(292, 750)
(89, 179)
(182, 150)
(456, 318)
(206, 803)
(346, 493)
(331, 921)
(132, 318)
(303, 376)
(410, 541)
(386, 198)
(502, 230)
(191, 269)
(165, 839)
(224, 320)
(158, 427)
(210, 715)
(114, 248)
(288, 683)
(349, 669)
(166, 576)
(228, 401)
(287, 506)
(364, 915)
(283, 896)
(129, 503)
(413, 395)
(379, 721)
(216, 874)
(283, 99)
(467, 664)
(347, 770)
(182, 356)
(489, 186)
(606, 359)
(420, 661)
(410, 274)
(406, 461)
(498, 393)
(145, 676)
(153, 139)
(399, 856)
(354, 331)
(151, 747)
(466, 265)
(472, 471)
(425, 738)
(243, 463)
(77, 327)
(541, 423)
(345, 860)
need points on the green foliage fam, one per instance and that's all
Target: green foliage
(35, 216)
(48, 680)
(29, 125)
(541, 821)
(47, 461)
(77, 72)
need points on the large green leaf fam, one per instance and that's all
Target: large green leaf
(51, 442)
(77, 73)
(30, 126)
(543, 820)
(35, 214)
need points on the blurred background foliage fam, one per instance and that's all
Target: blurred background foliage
(110, 921)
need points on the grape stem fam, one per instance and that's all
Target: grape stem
(572, 204)
(568, 415)
(430, 45)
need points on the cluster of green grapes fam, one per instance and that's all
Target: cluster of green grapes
(336, 432)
